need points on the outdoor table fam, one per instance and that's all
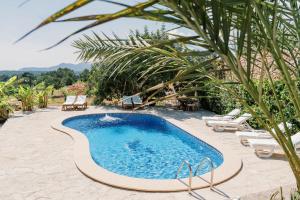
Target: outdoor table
(186, 102)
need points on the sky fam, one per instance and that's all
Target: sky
(15, 21)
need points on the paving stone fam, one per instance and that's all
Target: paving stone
(36, 163)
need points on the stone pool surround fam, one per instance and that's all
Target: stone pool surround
(81, 154)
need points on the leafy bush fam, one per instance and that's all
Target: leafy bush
(27, 96)
(221, 102)
(76, 89)
(59, 78)
(5, 106)
(30, 96)
(43, 93)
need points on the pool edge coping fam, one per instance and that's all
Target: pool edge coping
(230, 167)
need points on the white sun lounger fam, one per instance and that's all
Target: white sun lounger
(127, 102)
(265, 148)
(69, 103)
(231, 115)
(259, 134)
(80, 102)
(136, 100)
(236, 124)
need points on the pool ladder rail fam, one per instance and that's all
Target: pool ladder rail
(191, 175)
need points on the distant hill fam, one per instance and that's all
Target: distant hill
(10, 73)
(76, 67)
(38, 70)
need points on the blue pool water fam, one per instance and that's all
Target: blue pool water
(142, 145)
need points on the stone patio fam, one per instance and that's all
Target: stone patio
(36, 163)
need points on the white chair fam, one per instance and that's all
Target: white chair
(127, 102)
(265, 148)
(259, 134)
(239, 123)
(69, 103)
(231, 115)
(136, 100)
(80, 102)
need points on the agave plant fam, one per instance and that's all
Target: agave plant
(244, 36)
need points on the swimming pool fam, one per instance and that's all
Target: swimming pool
(141, 145)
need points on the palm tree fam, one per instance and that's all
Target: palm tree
(250, 35)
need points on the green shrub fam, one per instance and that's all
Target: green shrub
(5, 106)
(221, 102)
(43, 94)
(27, 96)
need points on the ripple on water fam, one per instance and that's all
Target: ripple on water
(142, 146)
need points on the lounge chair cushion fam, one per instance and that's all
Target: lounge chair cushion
(244, 117)
(253, 134)
(127, 100)
(137, 100)
(262, 143)
(272, 142)
(240, 120)
(233, 113)
(296, 139)
(70, 100)
(260, 133)
(81, 99)
(228, 116)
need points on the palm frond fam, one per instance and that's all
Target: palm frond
(66, 10)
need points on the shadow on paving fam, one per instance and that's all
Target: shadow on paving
(184, 115)
(197, 195)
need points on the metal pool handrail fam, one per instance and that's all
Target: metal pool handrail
(190, 173)
(202, 161)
